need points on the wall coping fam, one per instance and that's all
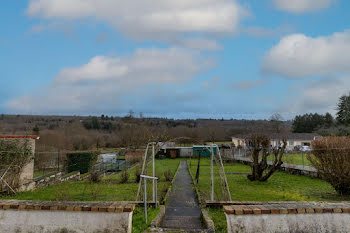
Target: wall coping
(257, 208)
(111, 207)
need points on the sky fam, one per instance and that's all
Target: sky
(243, 59)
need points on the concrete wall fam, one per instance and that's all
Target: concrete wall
(14, 221)
(18, 216)
(289, 223)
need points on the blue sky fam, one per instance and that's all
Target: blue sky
(182, 59)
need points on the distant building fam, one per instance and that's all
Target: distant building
(293, 140)
(27, 173)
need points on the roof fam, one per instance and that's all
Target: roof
(20, 136)
(288, 136)
(295, 136)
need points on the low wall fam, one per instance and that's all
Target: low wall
(50, 180)
(68, 217)
(288, 217)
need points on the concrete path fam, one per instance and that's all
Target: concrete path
(182, 210)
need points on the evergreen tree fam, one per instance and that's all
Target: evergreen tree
(343, 114)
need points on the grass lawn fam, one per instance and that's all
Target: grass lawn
(298, 159)
(280, 187)
(42, 173)
(138, 219)
(218, 216)
(109, 189)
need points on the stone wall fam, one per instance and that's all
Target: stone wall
(89, 217)
(51, 180)
(288, 217)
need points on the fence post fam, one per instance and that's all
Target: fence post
(212, 173)
(303, 159)
(145, 198)
(156, 194)
(58, 159)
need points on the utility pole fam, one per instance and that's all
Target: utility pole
(154, 173)
(212, 173)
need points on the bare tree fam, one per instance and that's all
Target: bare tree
(261, 148)
(277, 121)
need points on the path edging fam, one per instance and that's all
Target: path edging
(208, 222)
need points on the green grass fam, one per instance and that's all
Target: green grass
(280, 187)
(138, 219)
(298, 159)
(219, 219)
(109, 189)
(42, 173)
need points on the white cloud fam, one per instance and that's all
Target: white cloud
(319, 96)
(198, 43)
(302, 6)
(297, 55)
(106, 83)
(152, 19)
(244, 85)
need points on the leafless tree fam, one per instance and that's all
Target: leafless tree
(260, 147)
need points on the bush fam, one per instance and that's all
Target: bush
(168, 175)
(95, 177)
(13, 152)
(331, 158)
(138, 175)
(81, 161)
(124, 177)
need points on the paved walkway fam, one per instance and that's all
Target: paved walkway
(182, 210)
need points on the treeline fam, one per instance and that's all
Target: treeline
(326, 124)
(92, 132)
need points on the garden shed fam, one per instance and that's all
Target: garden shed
(204, 150)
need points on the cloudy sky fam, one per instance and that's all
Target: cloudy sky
(182, 59)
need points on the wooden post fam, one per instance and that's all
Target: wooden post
(154, 173)
(198, 165)
(212, 173)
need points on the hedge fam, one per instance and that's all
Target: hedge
(81, 161)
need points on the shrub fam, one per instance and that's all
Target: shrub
(168, 175)
(81, 161)
(124, 177)
(95, 177)
(13, 152)
(137, 175)
(331, 158)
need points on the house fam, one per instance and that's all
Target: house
(27, 172)
(293, 140)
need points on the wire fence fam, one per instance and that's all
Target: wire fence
(46, 163)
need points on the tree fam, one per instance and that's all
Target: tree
(309, 123)
(261, 149)
(331, 159)
(343, 114)
(328, 120)
(277, 121)
(36, 130)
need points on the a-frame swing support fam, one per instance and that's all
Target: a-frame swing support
(144, 171)
(221, 171)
